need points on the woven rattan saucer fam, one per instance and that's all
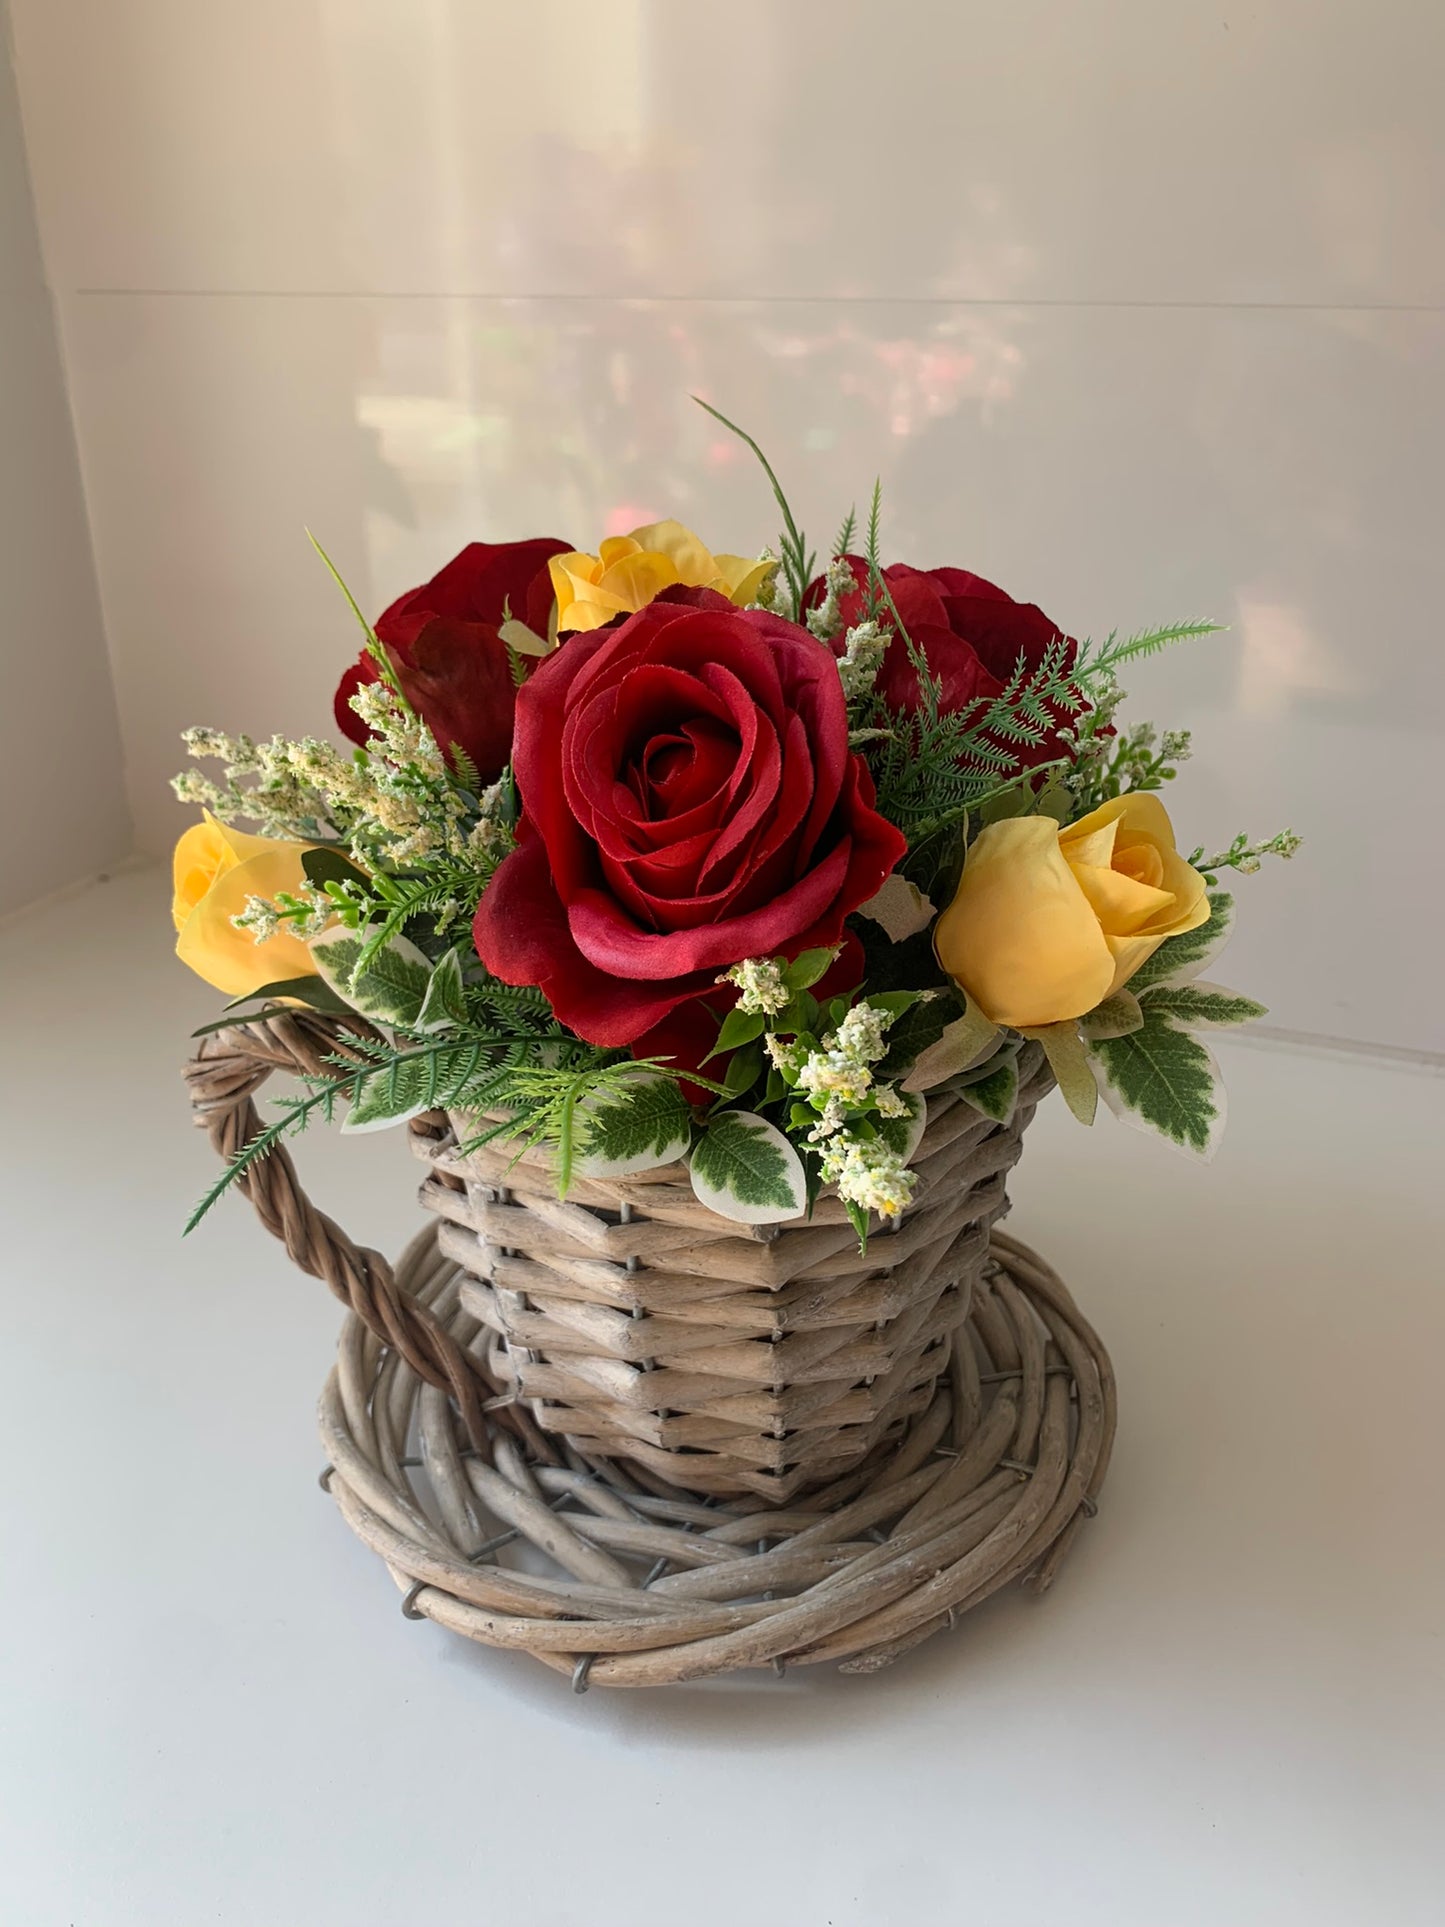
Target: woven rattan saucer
(610, 1575)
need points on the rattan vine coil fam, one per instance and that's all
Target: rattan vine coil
(972, 1467)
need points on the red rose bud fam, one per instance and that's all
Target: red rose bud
(689, 799)
(972, 634)
(443, 641)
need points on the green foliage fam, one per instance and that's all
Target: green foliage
(445, 1003)
(798, 560)
(1178, 959)
(744, 1168)
(996, 1094)
(1245, 856)
(1163, 1079)
(1095, 661)
(903, 1134)
(635, 1123)
(388, 981)
(1201, 1006)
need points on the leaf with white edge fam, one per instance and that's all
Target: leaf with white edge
(647, 1124)
(1180, 959)
(963, 1043)
(1069, 1062)
(806, 969)
(1115, 1017)
(905, 1134)
(444, 1005)
(1160, 1078)
(393, 985)
(1202, 1006)
(900, 907)
(997, 1094)
(744, 1168)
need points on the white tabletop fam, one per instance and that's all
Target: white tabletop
(1229, 1709)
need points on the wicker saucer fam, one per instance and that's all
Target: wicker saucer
(629, 1581)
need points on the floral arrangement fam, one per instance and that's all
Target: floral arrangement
(656, 854)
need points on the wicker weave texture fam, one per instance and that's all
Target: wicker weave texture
(624, 1581)
(635, 1323)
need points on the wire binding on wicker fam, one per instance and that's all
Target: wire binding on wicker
(648, 1584)
(635, 1323)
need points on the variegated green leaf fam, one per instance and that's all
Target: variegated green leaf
(1160, 1078)
(393, 986)
(647, 1124)
(1115, 1017)
(744, 1168)
(997, 1094)
(1202, 1006)
(444, 1005)
(1180, 959)
(962, 1044)
(904, 1134)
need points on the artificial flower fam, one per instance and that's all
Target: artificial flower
(689, 800)
(216, 870)
(630, 570)
(445, 641)
(973, 634)
(1047, 922)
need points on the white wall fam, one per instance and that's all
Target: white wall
(63, 812)
(1136, 308)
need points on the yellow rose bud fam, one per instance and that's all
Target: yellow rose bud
(1046, 922)
(630, 570)
(215, 870)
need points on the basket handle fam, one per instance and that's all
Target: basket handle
(229, 1067)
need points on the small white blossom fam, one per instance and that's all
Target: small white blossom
(760, 985)
(825, 620)
(861, 1033)
(785, 1052)
(260, 919)
(864, 650)
(765, 596)
(870, 1174)
(888, 1103)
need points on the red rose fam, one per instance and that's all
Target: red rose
(689, 799)
(972, 633)
(449, 659)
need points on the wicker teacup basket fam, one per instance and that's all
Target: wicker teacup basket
(647, 1444)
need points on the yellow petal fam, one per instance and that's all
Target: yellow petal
(1121, 905)
(1020, 936)
(204, 852)
(616, 548)
(636, 579)
(228, 958)
(739, 577)
(691, 562)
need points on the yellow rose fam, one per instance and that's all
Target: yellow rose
(215, 870)
(1048, 922)
(631, 569)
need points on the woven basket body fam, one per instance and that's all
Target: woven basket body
(725, 1359)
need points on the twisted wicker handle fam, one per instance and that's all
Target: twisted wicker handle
(223, 1077)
